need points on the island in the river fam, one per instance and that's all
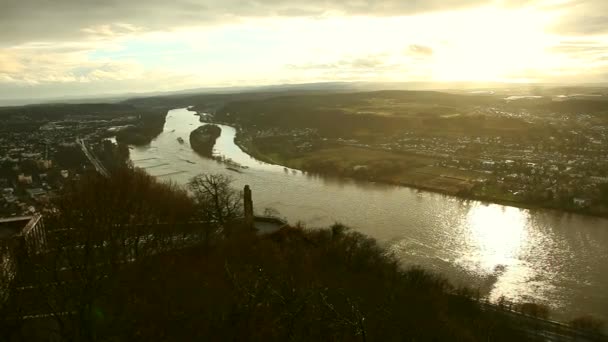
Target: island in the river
(203, 139)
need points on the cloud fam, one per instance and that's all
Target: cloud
(582, 52)
(45, 64)
(134, 45)
(358, 63)
(42, 20)
(583, 47)
(581, 17)
(5, 78)
(372, 67)
(30, 92)
(111, 30)
(420, 50)
(9, 64)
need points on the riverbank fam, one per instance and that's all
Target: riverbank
(149, 125)
(451, 187)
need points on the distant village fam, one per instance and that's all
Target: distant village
(567, 171)
(37, 157)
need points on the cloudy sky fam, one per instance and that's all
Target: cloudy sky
(54, 48)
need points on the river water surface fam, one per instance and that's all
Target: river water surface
(549, 257)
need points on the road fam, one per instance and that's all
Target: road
(96, 163)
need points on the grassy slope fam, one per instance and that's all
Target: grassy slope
(414, 170)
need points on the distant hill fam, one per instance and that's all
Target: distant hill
(498, 87)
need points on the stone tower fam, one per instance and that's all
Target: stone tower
(248, 202)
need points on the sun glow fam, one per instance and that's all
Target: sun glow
(493, 45)
(498, 42)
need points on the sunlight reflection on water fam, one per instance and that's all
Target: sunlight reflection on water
(497, 235)
(496, 241)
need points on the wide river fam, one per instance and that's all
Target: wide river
(548, 257)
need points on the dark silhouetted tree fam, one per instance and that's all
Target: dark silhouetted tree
(217, 202)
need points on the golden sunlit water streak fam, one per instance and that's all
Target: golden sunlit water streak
(497, 239)
(497, 233)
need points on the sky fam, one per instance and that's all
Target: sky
(55, 48)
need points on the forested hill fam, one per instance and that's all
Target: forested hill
(60, 111)
(126, 277)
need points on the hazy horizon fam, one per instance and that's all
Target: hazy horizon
(70, 49)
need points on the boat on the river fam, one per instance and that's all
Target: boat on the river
(231, 164)
(233, 169)
(180, 140)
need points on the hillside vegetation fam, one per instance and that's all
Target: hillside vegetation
(119, 275)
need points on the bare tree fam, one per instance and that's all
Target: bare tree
(217, 202)
(98, 228)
